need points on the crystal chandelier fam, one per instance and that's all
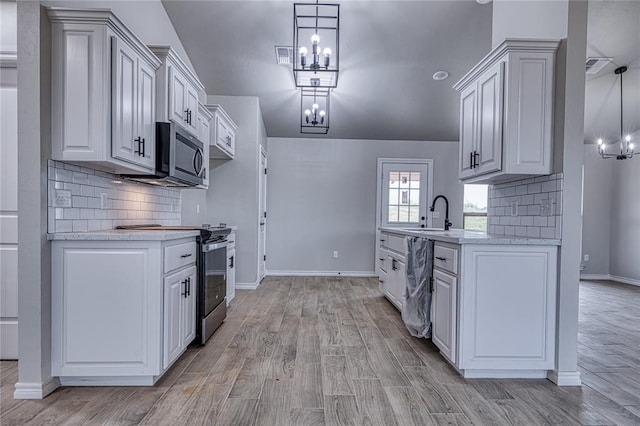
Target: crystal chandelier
(626, 146)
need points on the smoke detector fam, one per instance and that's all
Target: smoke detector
(594, 65)
(284, 55)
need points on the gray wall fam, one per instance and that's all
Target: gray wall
(596, 211)
(625, 219)
(322, 197)
(232, 196)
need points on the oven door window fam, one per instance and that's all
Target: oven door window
(215, 278)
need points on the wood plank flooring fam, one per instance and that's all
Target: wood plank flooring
(333, 351)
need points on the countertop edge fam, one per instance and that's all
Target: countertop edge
(473, 237)
(122, 235)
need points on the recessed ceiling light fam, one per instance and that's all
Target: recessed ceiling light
(440, 75)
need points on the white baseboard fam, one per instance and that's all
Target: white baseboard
(35, 390)
(354, 274)
(247, 286)
(504, 374)
(595, 277)
(625, 280)
(565, 378)
(616, 278)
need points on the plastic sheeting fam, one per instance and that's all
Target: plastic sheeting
(416, 312)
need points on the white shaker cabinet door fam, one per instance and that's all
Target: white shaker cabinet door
(490, 113)
(125, 143)
(174, 290)
(189, 311)
(443, 333)
(177, 91)
(191, 102)
(146, 123)
(468, 133)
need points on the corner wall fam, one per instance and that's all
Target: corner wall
(322, 197)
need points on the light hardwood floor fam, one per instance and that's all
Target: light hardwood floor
(314, 351)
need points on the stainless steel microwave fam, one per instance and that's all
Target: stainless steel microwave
(179, 158)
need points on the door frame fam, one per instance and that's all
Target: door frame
(379, 178)
(262, 199)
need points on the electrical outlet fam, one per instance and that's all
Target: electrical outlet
(436, 215)
(103, 200)
(514, 208)
(335, 254)
(546, 207)
(61, 198)
(586, 257)
(197, 208)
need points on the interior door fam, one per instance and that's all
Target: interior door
(262, 240)
(405, 191)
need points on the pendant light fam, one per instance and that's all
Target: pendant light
(626, 145)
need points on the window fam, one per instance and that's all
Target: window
(475, 207)
(404, 197)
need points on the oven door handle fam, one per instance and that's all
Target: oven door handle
(214, 246)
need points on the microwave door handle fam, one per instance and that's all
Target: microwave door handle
(198, 162)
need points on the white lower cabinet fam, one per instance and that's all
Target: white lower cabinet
(392, 272)
(113, 320)
(495, 316)
(444, 313)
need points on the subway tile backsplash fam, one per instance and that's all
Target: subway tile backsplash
(529, 207)
(127, 203)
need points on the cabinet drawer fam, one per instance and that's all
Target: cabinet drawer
(445, 258)
(179, 255)
(395, 243)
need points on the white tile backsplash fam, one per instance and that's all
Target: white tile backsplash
(529, 194)
(128, 203)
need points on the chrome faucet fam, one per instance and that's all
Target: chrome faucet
(447, 224)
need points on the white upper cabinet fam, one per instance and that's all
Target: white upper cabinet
(178, 88)
(223, 134)
(506, 113)
(103, 92)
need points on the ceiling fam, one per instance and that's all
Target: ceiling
(388, 52)
(613, 32)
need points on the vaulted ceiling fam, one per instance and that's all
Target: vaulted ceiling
(388, 53)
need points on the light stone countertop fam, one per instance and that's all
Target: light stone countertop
(123, 235)
(461, 236)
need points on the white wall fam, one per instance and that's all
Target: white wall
(232, 196)
(322, 197)
(544, 18)
(596, 211)
(625, 220)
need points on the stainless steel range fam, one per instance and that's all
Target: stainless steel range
(211, 305)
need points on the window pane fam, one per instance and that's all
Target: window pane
(393, 196)
(404, 198)
(403, 214)
(414, 197)
(415, 180)
(413, 214)
(475, 198)
(393, 214)
(404, 180)
(475, 223)
(394, 179)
